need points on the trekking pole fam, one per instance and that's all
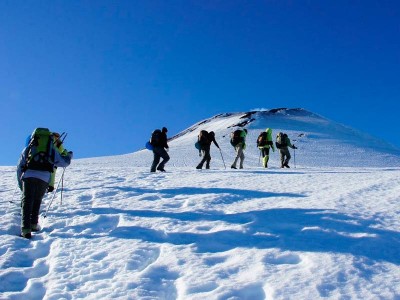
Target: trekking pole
(13, 196)
(222, 158)
(54, 194)
(15, 190)
(63, 139)
(294, 153)
(58, 138)
(62, 185)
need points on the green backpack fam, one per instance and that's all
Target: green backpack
(41, 151)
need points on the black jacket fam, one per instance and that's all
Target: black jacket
(163, 140)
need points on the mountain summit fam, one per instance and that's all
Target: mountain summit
(321, 142)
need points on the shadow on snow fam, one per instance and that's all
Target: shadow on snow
(312, 230)
(287, 229)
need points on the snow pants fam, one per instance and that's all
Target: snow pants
(239, 156)
(206, 158)
(265, 155)
(285, 156)
(33, 190)
(158, 153)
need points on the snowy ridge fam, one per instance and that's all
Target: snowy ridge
(311, 232)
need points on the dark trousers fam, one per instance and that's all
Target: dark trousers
(158, 153)
(264, 152)
(206, 158)
(33, 192)
(285, 156)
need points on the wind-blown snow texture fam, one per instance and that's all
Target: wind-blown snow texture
(328, 228)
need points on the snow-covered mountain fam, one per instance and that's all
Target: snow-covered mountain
(321, 142)
(328, 229)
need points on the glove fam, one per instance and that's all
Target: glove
(294, 147)
(71, 154)
(200, 154)
(50, 189)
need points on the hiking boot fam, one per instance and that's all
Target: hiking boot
(26, 233)
(233, 167)
(199, 167)
(287, 166)
(35, 227)
(160, 169)
(207, 166)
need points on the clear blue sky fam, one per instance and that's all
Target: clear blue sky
(109, 72)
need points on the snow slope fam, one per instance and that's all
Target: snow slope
(320, 142)
(327, 229)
